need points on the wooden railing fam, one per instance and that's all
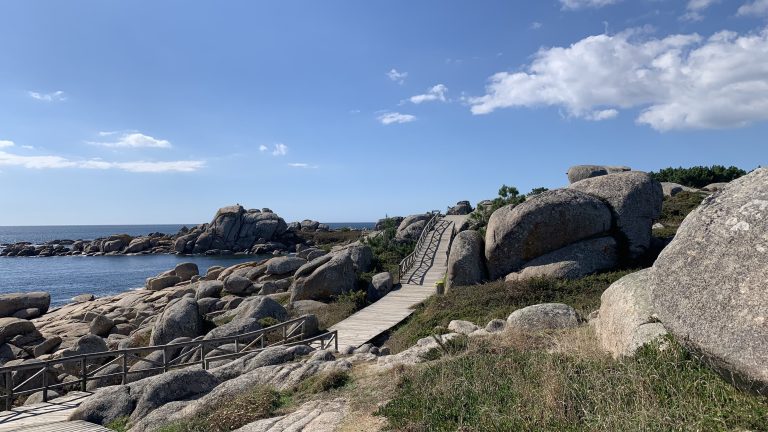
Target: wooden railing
(175, 356)
(408, 261)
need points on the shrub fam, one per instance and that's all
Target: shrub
(698, 176)
(387, 253)
(508, 195)
(119, 424)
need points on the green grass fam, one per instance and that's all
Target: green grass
(340, 308)
(119, 424)
(331, 238)
(521, 386)
(482, 303)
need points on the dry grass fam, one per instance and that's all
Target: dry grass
(332, 238)
(562, 382)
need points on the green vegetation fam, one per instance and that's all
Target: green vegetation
(328, 239)
(482, 303)
(675, 209)
(525, 383)
(387, 253)
(340, 308)
(259, 403)
(268, 322)
(119, 424)
(698, 176)
(507, 195)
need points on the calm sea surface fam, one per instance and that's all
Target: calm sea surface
(66, 277)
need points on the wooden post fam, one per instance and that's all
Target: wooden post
(45, 383)
(84, 376)
(9, 397)
(202, 355)
(165, 359)
(125, 368)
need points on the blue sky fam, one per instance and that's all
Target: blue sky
(161, 112)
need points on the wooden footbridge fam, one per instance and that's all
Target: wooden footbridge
(418, 274)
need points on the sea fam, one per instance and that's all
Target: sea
(68, 276)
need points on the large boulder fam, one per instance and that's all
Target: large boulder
(180, 318)
(284, 265)
(161, 282)
(334, 277)
(581, 172)
(12, 303)
(138, 245)
(12, 327)
(88, 344)
(545, 316)
(238, 285)
(361, 255)
(381, 285)
(172, 386)
(208, 289)
(411, 227)
(185, 271)
(573, 261)
(710, 284)
(625, 321)
(542, 224)
(635, 199)
(466, 262)
(107, 405)
(461, 208)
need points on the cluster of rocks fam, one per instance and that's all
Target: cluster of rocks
(233, 230)
(461, 208)
(708, 287)
(594, 224)
(671, 189)
(154, 243)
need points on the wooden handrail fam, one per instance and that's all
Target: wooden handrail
(408, 261)
(288, 337)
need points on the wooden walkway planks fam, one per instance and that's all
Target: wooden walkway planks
(398, 305)
(47, 417)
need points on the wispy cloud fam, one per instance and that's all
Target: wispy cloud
(302, 165)
(6, 143)
(695, 8)
(57, 96)
(53, 162)
(278, 149)
(756, 8)
(396, 76)
(536, 25)
(395, 117)
(583, 4)
(436, 93)
(131, 140)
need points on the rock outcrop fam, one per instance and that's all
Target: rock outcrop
(10, 304)
(635, 200)
(710, 285)
(411, 227)
(542, 224)
(336, 275)
(466, 264)
(461, 208)
(180, 318)
(626, 320)
(573, 261)
(545, 316)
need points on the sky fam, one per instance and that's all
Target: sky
(133, 112)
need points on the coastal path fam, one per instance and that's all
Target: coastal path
(48, 416)
(419, 273)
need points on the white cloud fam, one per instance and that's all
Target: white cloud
(695, 8)
(28, 147)
(600, 115)
(436, 93)
(57, 96)
(395, 117)
(679, 82)
(50, 162)
(536, 25)
(6, 143)
(582, 4)
(398, 77)
(132, 140)
(302, 165)
(278, 149)
(756, 7)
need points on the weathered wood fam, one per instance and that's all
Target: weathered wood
(49, 413)
(398, 305)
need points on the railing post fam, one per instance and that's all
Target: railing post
(165, 359)
(202, 355)
(125, 368)
(84, 376)
(9, 397)
(336, 340)
(237, 345)
(45, 383)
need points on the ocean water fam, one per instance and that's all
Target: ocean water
(68, 276)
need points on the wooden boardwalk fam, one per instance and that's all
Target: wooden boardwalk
(417, 285)
(48, 417)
